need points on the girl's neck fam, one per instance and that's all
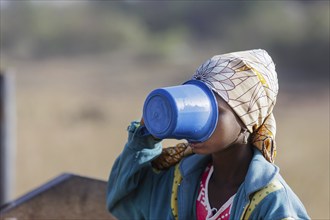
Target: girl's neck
(231, 165)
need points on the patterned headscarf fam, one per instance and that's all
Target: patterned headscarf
(247, 81)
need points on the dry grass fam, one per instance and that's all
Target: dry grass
(72, 116)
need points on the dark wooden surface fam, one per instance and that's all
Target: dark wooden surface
(67, 196)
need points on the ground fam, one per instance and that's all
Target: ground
(72, 115)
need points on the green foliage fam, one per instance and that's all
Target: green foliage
(41, 30)
(165, 28)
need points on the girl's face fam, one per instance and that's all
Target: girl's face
(226, 132)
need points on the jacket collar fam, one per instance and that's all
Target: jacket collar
(260, 172)
(194, 163)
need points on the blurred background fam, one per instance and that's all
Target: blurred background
(83, 69)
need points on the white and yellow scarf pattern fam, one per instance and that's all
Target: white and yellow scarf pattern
(247, 81)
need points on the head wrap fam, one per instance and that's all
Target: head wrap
(247, 81)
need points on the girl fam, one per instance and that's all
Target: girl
(231, 175)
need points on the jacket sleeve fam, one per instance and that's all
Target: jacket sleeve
(132, 174)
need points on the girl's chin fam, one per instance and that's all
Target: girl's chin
(195, 145)
(198, 148)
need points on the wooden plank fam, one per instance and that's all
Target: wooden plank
(67, 196)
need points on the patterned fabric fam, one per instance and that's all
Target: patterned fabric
(273, 186)
(170, 156)
(203, 207)
(247, 81)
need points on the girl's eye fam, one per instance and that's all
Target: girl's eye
(223, 111)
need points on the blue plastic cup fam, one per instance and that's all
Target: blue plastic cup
(188, 111)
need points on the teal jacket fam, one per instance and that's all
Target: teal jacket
(137, 191)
